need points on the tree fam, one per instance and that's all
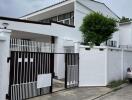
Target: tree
(124, 19)
(97, 28)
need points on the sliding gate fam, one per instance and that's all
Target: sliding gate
(24, 71)
(29, 62)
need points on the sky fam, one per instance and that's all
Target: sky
(18, 8)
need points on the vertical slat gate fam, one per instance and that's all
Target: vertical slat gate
(24, 69)
(71, 70)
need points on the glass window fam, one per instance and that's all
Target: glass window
(72, 21)
(72, 14)
(54, 18)
(46, 20)
(67, 22)
(66, 16)
(61, 17)
(61, 21)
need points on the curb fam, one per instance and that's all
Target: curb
(113, 90)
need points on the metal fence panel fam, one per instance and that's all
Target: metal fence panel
(24, 69)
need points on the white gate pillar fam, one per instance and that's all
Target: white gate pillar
(76, 47)
(59, 66)
(4, 66)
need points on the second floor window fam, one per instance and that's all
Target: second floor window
(67, 18)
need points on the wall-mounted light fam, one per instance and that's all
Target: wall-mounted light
(5, 25)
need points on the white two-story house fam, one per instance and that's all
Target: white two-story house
(72, 12)
(58, 24)
(52, 29)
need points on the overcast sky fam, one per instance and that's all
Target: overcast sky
(17, 8)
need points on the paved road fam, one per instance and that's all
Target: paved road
(75, 94)
(123, 94)
(89, 94)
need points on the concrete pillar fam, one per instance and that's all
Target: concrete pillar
(76, 47)
(4, 66)
(59, 67)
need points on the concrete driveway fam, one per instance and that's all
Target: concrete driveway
(122, 94)
(75, 94)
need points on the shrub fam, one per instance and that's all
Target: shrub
(97, 28)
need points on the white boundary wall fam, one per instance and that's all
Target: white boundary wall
(92, 67)
(101, 65)
(114, 64)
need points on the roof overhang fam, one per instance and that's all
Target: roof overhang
(57, 9)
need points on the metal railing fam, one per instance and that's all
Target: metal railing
(30, 46)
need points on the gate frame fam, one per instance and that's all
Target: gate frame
(52, 72)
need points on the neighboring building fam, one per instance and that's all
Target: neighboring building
(126, 35)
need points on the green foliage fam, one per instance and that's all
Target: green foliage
(124, 19)
(114, 84)
(97, 28)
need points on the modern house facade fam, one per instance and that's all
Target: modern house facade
(69, 14)
(53, 30)
(72, 12)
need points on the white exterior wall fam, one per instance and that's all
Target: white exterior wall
(51, 30)
(98, 7)
(116, 37)
(79, 13)
(82, 9)
(125, 34)
(114, 65)
(4, 66)
(92, 68)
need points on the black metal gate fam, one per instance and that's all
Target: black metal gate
(26, 66)
(71, 70)
(24, 69)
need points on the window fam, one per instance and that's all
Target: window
(72, 21)
(61, 21)
(54, 18)
(60, 17)
(67, 21)
(46, 20)
(67, 18)
(111, 43)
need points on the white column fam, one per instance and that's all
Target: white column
(59, 58)
(4, 66)
(76, 47)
